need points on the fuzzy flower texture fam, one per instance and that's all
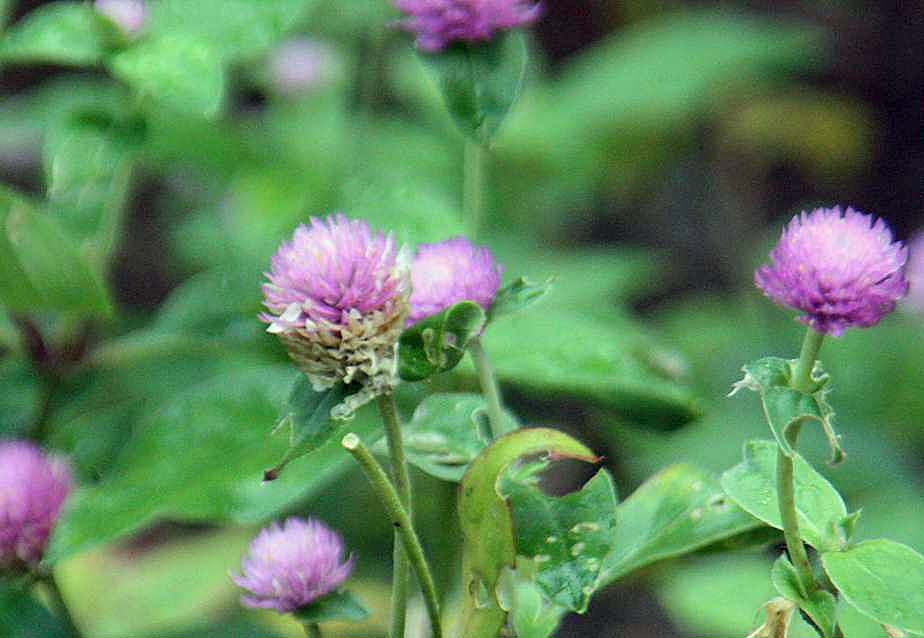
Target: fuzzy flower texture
(290, 566)
(438, 23)
(841, 269)
(451, 271)
(33, 488)
(337, 298)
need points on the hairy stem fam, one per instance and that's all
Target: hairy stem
(473, 196)
(60, 607)
(802, 376)
(488, 385)
(401, 568)
(402, 522)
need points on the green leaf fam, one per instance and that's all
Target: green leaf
(341, 605)
(236, 29)
(447, 432)
(207, 448)
(786, 407)
(567, 537)
(820, 605)
(820, 508)
(882, 579)
(531, 614)
(176, 69)
(70, 33)
(308, 420)
(88, 163)
(20, 392)
(438, 343)
(22, 616)
(516, 296)
(41, 267)
(480, 82)
(487, 526)
(679, 510)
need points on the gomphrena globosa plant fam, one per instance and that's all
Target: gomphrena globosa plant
(451, 271)
(438, 23)
(33, 488)
(337, 299)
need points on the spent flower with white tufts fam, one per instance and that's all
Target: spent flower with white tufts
(33, 488)
(128, 15)
(451, 271)
(290, 566)
(841, 269)
(337, 298)
(915, 271)
(438, 23)
(301, 65)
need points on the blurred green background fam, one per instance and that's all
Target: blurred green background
(656, 151)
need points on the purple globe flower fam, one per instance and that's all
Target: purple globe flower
(337, 298)
(129, 15)
(438, 23)
(841, 269)
(915, 273)
(451, 271)
(33, 488)
(288, 567)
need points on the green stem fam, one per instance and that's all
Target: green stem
(785, 473)
(400, 566)
(402, 522)
(60, 607)
(473, 196)
(488, 385)
(312, 630)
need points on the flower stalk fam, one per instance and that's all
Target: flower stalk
(59, 606)
(488, 384)
(474, 185)
(403, 526)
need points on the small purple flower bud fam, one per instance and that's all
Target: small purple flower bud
(915, 272)
(438, 23)
(841, 269)
(337, 298)
(290, 566)
(301, 65)
(129, 15)
(451, 271)
(33, 488)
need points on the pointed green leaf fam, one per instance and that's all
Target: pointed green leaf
(820, 605)
(567, 537)
(882, 579)
(71, 33)
(677, 511)
(480, 82)
(438, 343)
(447, 432)
(516, 296)
(179, 71)
(487, 526)
(341, 605)
(752, 485)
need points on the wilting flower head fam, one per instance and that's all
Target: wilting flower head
(915, 273)
(288, 567)
(437, 23)
(301, 65)
(33, 488)
(451, 271)
(337, 298)
(841, 269)
(130, 15)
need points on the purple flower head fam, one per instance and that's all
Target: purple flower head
(438, 23)
(337, 298)
(841, 269)
(451, 271)
(129, 15)
(288, 567)
(33, 488)
(915, 273)
(301, 65)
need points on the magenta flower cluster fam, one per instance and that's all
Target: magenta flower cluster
(33, 488)
(290, 566)
(438, 23)
(445, 273)
(841, 269)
